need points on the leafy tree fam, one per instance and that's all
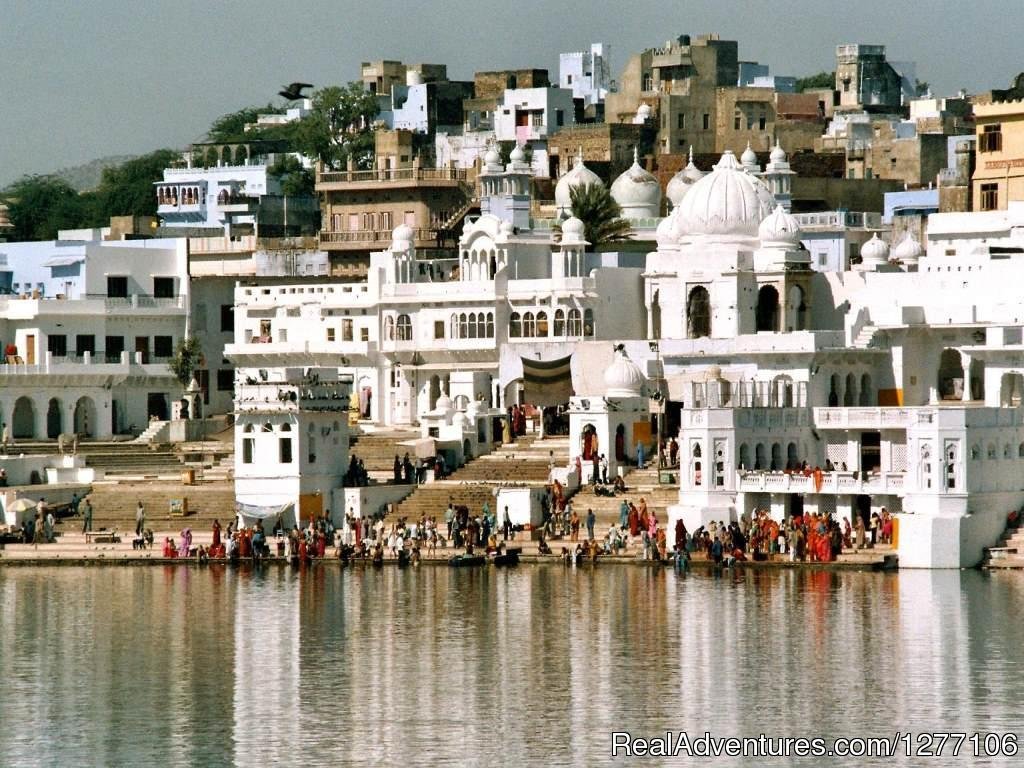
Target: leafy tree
(39, 206)
(127, 189)
(921, 87)
(340, 126)
(187, 358)
(813, 82)
(296, 180)
(594, 205)
(231, 127)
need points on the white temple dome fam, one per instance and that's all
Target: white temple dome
(460, 419)
(402, 237)
(444, 404)
(908, 251)
(637, 192)
(749, 159)
(778, 154)
(492, 157)
(573, 226)
(728, 201)
(665, 234)
(517, 155)
(779, 228)
(874, 252)
(680, 184)
(623, 378)
(578, 176)
(506, 227)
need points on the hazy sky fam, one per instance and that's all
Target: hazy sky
(84, 79)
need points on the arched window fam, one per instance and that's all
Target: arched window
(389, 328)
(991, 451)
(515, 326)
(776, 456)
(1007, 451)
(792, 458)
(404, 328)
(542, 324)
(767, 315)
(588, 322)
(250, 428)
(833, 390)
(559, 323)
(797, 309)
(463, 326)
(490, 325)
(951, 375)
(529, 325)
(474, 328)
(850, 396)
(698, 313)
(454, 330)
(760, 459)
(744, 457)
(865, 389)
(1020, 451)
(575, 326)
(268, 427)
(286, 427)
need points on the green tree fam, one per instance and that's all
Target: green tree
(230, 128)
(594, 205)
(339, 126)
(813, 82)
(296, 180)
(127, 189)
(39, 206)
(921, 87)
(187, 358)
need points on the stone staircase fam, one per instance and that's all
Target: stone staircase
(864, 339)
(72, 545)
(134, 460)
(641, 483)
(114, 506)
(378, 450)
(1008, 553)
(524, 462)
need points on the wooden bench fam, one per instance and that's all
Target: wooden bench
(102, 537)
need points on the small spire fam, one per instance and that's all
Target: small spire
(691, 154)
(636, 156)
(579, 155)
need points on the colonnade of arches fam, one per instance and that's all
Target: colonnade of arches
(31, 418)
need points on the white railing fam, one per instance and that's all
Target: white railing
(869, 418)
(831, 482)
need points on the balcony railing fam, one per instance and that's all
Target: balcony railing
(390, 175)
(136, 301)
(869, 418)
(370, 236)
(853, 483)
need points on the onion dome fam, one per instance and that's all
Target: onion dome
(778, 154)
(779, 228)
(680, 184)
(402, 238)
(517, 155)
(908, 251)
(460, 419)
(573, 232)
(623, 378)
(873, 253)
(727, 202)
(579, 176)
(637, 192)
(749, 160)
(665, 234)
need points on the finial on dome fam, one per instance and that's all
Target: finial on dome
(579, 155)
(636, 156)
(691, 153)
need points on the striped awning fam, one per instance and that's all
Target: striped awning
(547, 382)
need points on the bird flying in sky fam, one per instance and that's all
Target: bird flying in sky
(293, 92)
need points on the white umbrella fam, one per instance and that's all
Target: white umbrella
(22, 505)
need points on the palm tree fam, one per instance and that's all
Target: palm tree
(602, 218)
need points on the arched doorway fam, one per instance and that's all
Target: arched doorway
(977, 373)
(797, 309)
(850, 396)
(589, 442)
(767, 316)
(620, 443)
(85, 417)
(951, 375)
(23, 419)
(776, 457)
(865, 390)
(760, 460)
(156, 406)
(1011, 389)
(656, 315)
(54, 419)
(433, 392)
(833, 391)
(698, 313)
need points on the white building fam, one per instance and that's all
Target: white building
(528, 116)
(88, 329)
(587, 73)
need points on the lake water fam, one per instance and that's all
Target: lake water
(535, 666)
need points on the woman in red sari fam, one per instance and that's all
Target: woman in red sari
(216, 535)
(321, 544)
(634, 521)
(302, 549)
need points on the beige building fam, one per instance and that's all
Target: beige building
(674, 89)
(999, 170)
(379, 76)
(915, 160)
(607, 147)
(362, 208)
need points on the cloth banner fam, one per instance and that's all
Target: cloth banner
(547, 382)
(262, 513)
